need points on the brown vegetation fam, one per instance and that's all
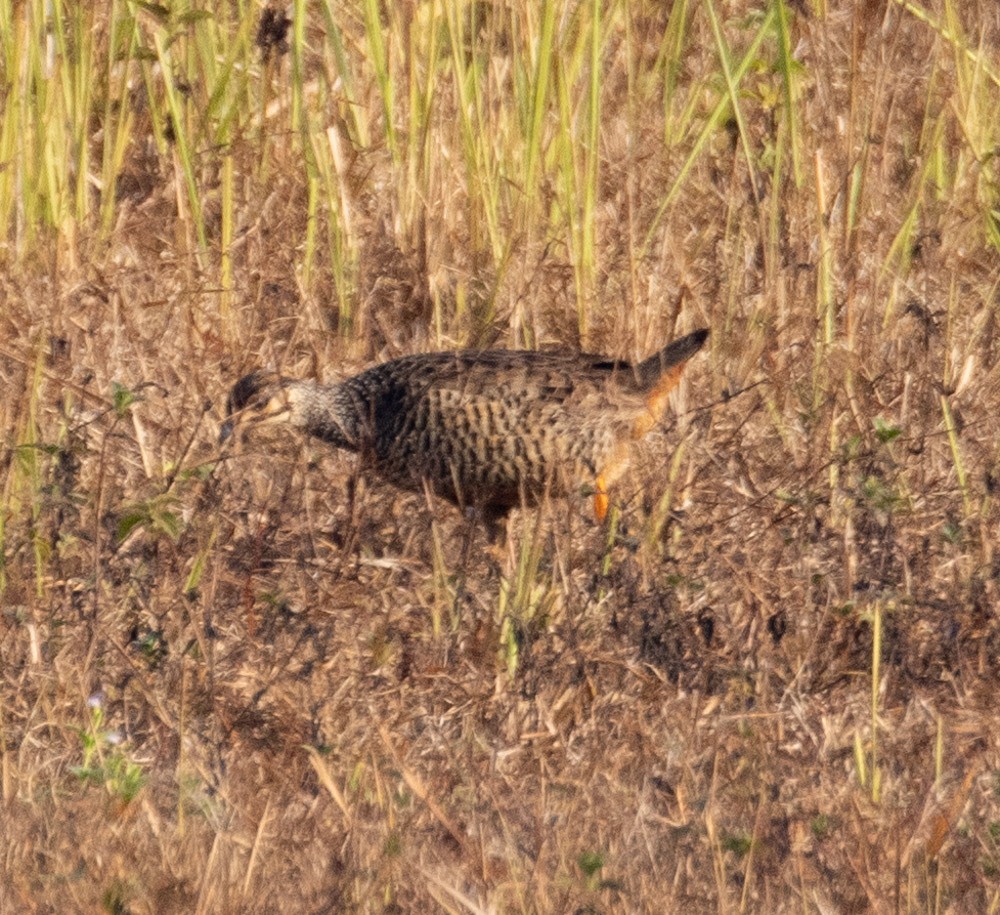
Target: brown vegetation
(248, 680)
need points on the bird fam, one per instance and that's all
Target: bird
(488, 430)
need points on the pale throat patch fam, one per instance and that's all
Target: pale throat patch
(281, 406)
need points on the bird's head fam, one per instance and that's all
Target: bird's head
(260, 398)
(265, 398)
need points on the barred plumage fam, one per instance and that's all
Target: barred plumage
(491, 429)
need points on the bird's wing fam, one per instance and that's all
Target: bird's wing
(545, 377)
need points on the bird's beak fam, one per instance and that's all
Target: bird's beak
(275, 411)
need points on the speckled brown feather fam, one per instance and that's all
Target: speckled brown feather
(490, 429)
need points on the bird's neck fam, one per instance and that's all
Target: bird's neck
(326, 412)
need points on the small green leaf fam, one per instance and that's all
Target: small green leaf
(590, 862)
(193, 16)
(952, 533)
(129, 522)
(393, 845)
(122, 397)
(820, 825)
(194, 576)
(738, 843)
(166, 522)
(885, 431)
(161, 13)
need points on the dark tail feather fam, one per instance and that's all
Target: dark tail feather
(651, 370)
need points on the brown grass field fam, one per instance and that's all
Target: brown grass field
(247, 678)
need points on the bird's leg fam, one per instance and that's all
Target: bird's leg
(494, 520)
(494, 523)
(600, 498)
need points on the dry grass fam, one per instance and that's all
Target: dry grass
(251, 681)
